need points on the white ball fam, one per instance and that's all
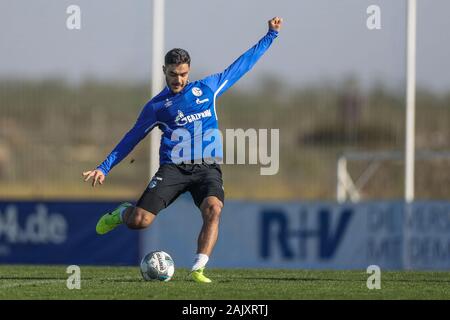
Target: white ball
(157, 265)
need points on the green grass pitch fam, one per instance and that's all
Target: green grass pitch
(49, 282)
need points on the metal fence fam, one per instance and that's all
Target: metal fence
(68, 96)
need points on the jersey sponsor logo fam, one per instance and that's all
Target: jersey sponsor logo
(182, 120)
(197, 91)
(198, 101)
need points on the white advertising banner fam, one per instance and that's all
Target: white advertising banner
(322, 235)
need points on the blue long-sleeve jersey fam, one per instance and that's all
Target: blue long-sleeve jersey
(193, 110)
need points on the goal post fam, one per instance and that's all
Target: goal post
(349, 188)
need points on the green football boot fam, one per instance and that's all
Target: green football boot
(198, 276)
(111, 220)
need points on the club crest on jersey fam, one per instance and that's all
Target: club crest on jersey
(197, 91)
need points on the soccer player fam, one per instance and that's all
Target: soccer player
(181, 105)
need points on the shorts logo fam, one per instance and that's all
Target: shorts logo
(197, 91)
(154, 182)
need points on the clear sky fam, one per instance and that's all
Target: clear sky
(321, 39)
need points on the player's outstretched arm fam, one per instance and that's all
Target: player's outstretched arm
(144, 124)
(97, 176)
(220, 82)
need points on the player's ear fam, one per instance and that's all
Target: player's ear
(164, 69)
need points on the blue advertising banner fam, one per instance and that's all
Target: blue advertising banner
(62, 232)
(255, 234)
(310, 235)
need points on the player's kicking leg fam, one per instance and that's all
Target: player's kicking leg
(126, 213)
(163, 188)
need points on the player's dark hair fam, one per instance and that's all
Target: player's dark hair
(177, 56)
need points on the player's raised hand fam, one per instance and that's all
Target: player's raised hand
(275, 24)
(97, 175)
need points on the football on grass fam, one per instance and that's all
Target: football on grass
(157, 265)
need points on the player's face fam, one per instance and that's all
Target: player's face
(176, 76)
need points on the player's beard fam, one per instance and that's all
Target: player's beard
(177, 89)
